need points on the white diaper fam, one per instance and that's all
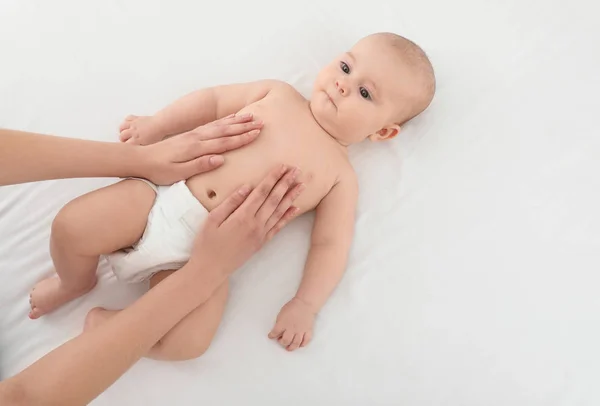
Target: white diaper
(167, 242)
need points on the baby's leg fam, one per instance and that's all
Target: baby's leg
(96, 223)
(190, 338)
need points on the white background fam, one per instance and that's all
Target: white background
(474, 274)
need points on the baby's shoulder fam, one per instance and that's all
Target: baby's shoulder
(346, 174)
(283, 89)
(346, 171)
(345, 187)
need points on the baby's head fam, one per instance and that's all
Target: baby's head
(373, 89)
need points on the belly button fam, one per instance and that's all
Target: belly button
(211, 194)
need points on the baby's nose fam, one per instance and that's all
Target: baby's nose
(341, 87)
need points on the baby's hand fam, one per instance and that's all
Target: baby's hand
(294, 325)
(140, 130)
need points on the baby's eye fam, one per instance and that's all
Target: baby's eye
(345, 67)
(365, 93)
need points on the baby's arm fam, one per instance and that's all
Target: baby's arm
(193, 110)
(330, 244)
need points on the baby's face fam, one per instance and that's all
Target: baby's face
(362, 91)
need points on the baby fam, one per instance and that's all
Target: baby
(146, 231)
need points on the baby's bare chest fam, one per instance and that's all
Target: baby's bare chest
(289, 136)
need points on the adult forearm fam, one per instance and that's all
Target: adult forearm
(323, 271)
(91, 362)
(79, 370)
(27, 157)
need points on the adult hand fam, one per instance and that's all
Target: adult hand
(196, 151)
(239, 226)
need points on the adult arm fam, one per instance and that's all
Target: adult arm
(81, 369)
(27, 157)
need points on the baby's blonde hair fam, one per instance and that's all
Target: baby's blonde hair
(414, 56)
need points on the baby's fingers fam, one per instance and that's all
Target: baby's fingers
(306, 339)
(295, 342)
(287, 338)
(277, 331)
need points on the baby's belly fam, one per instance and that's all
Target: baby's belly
(212, 188)
(249, 166)
(287, 138)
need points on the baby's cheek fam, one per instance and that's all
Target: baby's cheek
(355, 129)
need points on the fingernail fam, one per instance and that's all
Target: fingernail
(231, 115)
(258, 122)
(295, 211)
(283, 169)
(247, 115)
(297, 172)
(244, 190)
(254, 132)
(301, 188)
(216, 160)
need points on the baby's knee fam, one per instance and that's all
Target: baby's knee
(94, 318)
(64, 227)
(67, 227)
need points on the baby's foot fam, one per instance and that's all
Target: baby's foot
(50, 294)
(97, 316)
(140, 130)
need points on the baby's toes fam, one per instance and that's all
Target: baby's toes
(134, 139)
(127, 122)
(35, 313)
(126, 135)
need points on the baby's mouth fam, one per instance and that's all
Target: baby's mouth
(330, 99)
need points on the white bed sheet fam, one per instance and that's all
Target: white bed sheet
(474, 275)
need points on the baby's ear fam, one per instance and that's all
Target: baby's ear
(386, 133)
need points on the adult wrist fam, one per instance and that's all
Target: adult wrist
(204, 271)
(140, 162)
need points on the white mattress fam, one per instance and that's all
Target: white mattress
(474, 274)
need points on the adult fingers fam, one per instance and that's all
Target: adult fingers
(260, 194)
(226, 130)
(222, 212)
(284, 206)
(221, 145)
(295, 342)
(200, 165)
(271, 205)
(307, 338)
(232, 119)
(221, 120)
(287, 217)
